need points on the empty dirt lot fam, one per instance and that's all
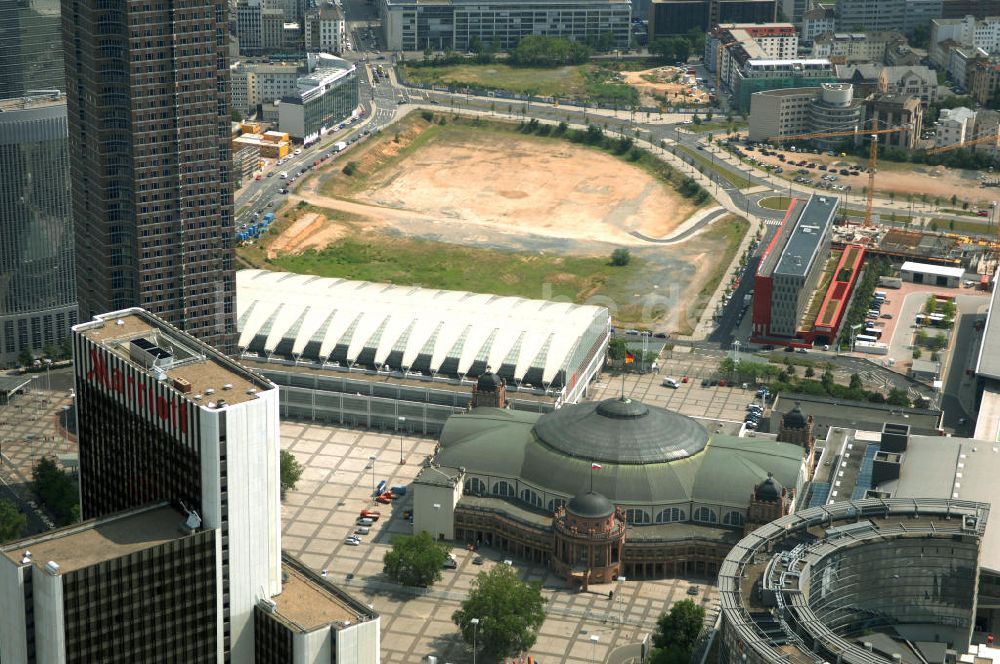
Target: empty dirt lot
(507, 183)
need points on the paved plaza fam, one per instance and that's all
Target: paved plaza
(723, 404)
(337, 484)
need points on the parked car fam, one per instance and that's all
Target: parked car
(478, 560)
(374, 515)
(352, 541)
(670, 382)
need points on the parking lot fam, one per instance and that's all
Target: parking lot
(337, 483)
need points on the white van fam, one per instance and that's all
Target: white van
(670, 382)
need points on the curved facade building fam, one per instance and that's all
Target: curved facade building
(37, 294)
(862, 582)
(835, 110)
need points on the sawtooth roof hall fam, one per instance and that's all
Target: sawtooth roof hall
(346, 323)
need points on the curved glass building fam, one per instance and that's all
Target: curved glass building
(37, 294)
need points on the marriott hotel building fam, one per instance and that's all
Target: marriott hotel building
(179, 473)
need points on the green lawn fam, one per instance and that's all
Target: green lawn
(587, 81)
(399, 260)
(567, 81)
(781, 203)
(708, 164)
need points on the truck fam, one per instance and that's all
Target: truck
(890, 282)
(268, 219)
(339, 146)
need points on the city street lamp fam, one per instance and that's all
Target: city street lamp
(854, 337)
(621, 602)
(475, 629)
(402, 421)
(593, 647)
(48, 363)
(371, 462)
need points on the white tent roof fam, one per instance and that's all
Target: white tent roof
(457, 325)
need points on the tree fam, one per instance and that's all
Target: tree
(855, 382)
(620, 257)
(12, 522)
(510, 612)
(897, 397)
(25, 358)
(617, 348)
(351, 168)
(56, 490)
(810, 372)
(415, 560)
(679, 628)
(291, 471)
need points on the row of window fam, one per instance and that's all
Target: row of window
(633, 515)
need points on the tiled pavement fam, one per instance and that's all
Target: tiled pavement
(30, 429)
(712, 403)
(337, 484)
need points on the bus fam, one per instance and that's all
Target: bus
(866, 337)
(873, 332)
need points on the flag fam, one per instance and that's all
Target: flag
(595, 466)
(629, 358)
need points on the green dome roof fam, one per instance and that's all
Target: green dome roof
(621, 431)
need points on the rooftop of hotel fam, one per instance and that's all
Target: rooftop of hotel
(86, 544)
(308, 601)
(134, 334)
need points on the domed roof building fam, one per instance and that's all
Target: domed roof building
(672, 481)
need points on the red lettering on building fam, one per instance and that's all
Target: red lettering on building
(98, 369)
(143, 397)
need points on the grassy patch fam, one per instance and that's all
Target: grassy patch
(569, 81)
(722, 128)
(960, 226)
(438, 265)
(728, 232)
(592, 81)
(779, 203)
(708, 164)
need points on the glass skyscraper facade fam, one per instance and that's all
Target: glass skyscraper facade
(37, 291)
(30, 47)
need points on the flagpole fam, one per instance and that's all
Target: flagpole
(592, 477)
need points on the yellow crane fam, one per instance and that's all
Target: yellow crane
(873, 134)
(988, 138)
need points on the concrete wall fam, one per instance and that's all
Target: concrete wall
(359, 644)
(438, 521)
(13, 643)
(315, 647)
(254, 507)
(50, 628)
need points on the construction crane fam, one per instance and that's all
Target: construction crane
(989, 138)
(873, 134)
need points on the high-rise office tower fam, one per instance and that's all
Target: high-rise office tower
(30, 47)
(162, 417)
(148, 100)
(37, 298)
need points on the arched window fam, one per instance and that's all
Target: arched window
(705, 515)
(635, 515)
(556, 503)
(530, 497)
(670, 515)
(732, 519)
(503, 488)
(475, 486)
